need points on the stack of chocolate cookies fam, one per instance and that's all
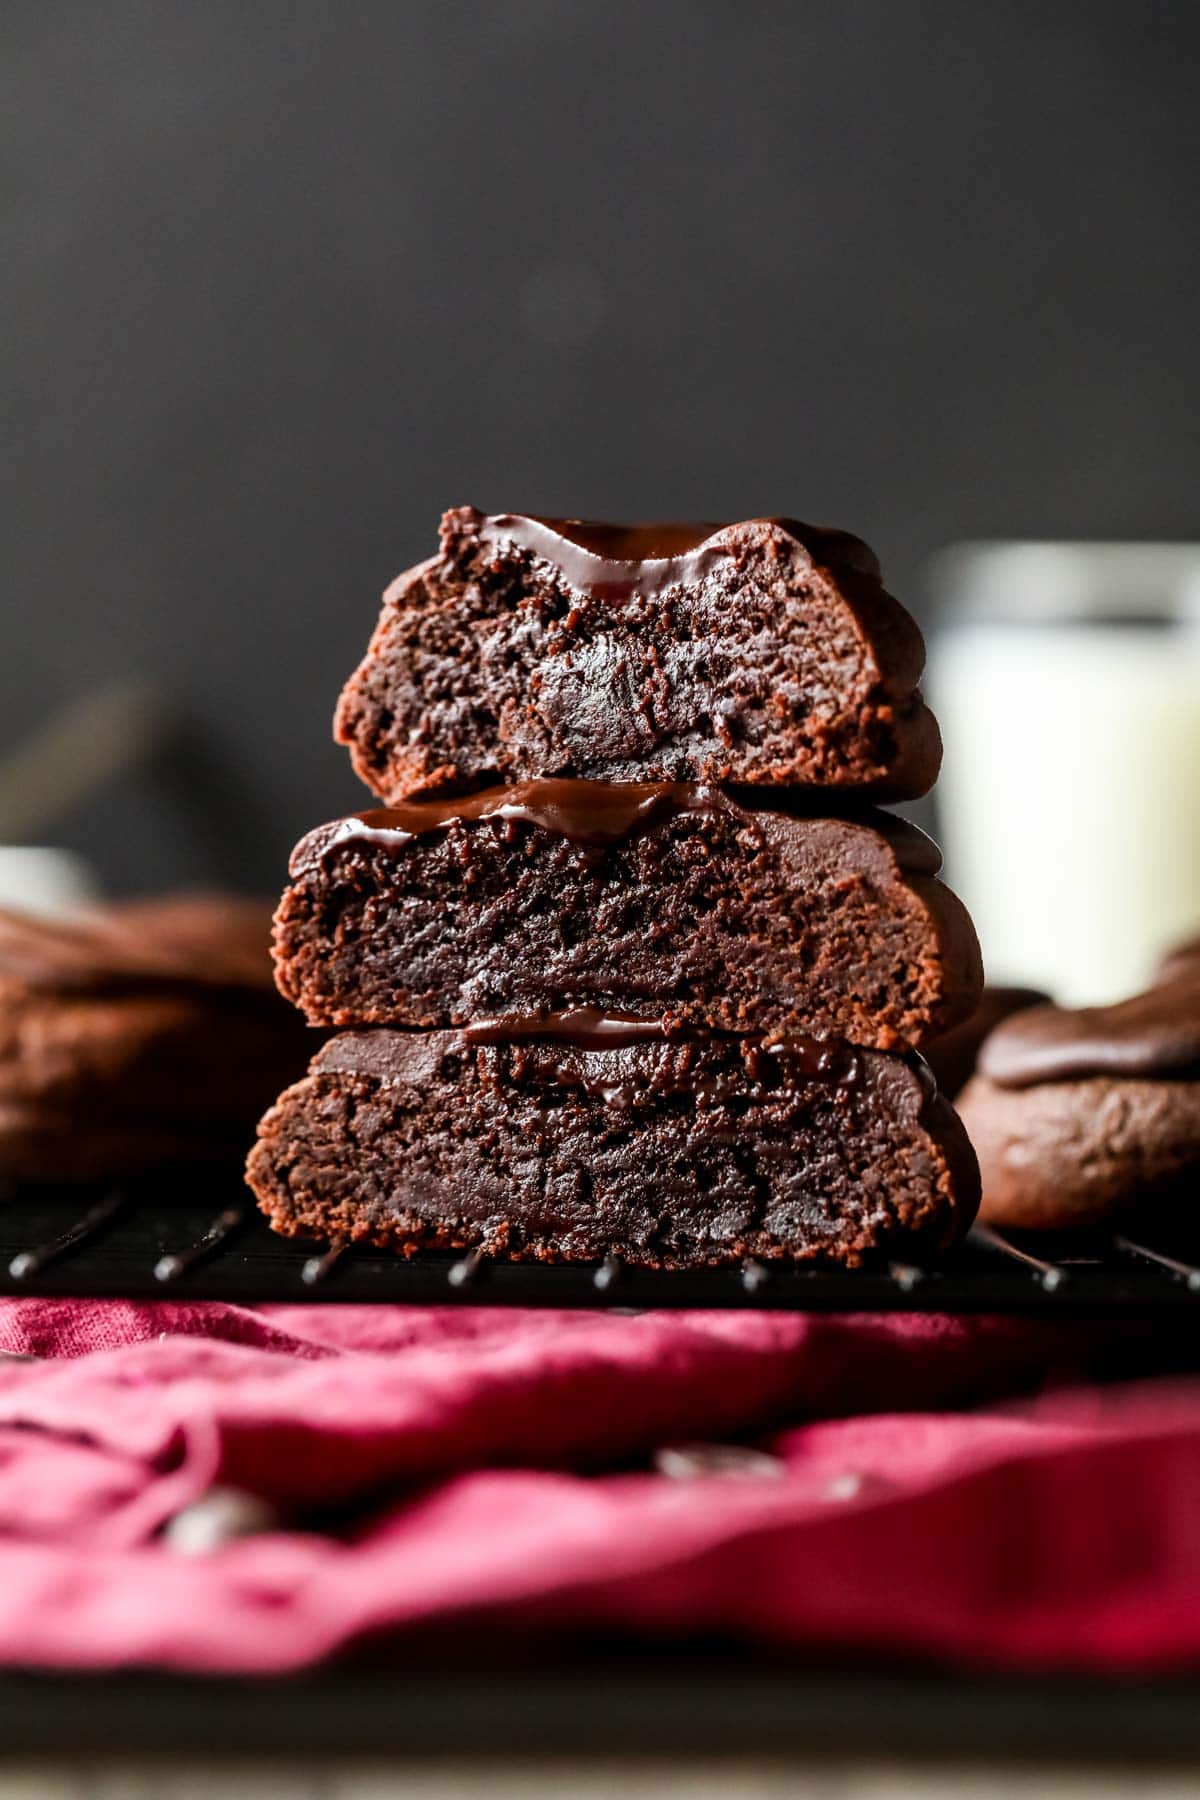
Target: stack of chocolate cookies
(628, 964)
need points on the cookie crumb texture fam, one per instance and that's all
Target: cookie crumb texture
(669, 1156)
(761, 663)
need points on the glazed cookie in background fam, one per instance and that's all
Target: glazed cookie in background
(766, 651)
(1182, 960)
(753, 913)
(599, 1136)
(1077, 1116)
(143, 1034)
(954, 1053)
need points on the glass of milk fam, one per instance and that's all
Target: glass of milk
(1067, 681)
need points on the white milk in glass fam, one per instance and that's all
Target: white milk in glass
(1067, 682)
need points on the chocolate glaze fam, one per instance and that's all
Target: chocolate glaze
(592, 813)
(818, 1059)
(615, 561)
(602, 1041)
(620, 1082)
(1155, 1035)
(584, 1027)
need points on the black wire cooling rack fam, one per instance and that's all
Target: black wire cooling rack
(205, 1240)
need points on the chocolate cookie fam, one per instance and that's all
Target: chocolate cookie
(1182, 960)
(766, 651)
(143, 1035)
(745, 914)
(604, 1136)
(1077, 1116)
(954, 1054)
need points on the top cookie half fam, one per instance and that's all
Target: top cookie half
(761, 652)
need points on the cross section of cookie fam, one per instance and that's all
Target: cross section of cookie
(765, 651)
(749, 912)
(597, 1136)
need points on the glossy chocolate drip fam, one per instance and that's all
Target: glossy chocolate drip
(592, 813)
(767, 1060)
(1155, 1035)
(661, 542)
(606, 1054)
(583, 1027)
(816, 1059)
(615, 561)
(621, 1083)
(583, 812)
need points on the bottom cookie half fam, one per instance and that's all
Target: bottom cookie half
(669, 1154)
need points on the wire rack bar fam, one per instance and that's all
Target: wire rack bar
(207, 1241)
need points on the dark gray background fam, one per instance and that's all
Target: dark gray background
(285, 280)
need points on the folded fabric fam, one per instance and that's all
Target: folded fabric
(509, 1471)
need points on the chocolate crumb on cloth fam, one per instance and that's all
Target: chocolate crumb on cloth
(141, 1034)
(595, 1135)
(1077, 1115)
(766, 651)
(754, 913)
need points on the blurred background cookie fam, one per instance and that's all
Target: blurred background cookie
(953, 1055)
(137, 1035)
(1076, 1115)
(1182, 960)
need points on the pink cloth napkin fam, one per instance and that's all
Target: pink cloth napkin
(494, 1471)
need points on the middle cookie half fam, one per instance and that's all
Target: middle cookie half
(650, 899)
